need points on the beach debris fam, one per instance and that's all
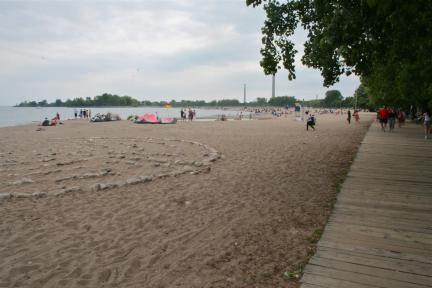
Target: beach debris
(22, 181)
(20, 195)
(107, 186)
(73, 189)
(198, 164)
(5, 195)
(66, 178)
(38, 194)
(139, 179)
(95, 187)
(90, 175)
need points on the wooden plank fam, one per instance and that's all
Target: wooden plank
(391, 170)
(386, 198)
(378, 211)
(385, 223)
(407, 266)
(306, 285)
(372, 184)
(403, 206)
(359, 278)
(405, 212)
(384, 252)
(396, 245)
(372, 269)
(387, 193)
(328, 282)
(407, 179)
(386, 233)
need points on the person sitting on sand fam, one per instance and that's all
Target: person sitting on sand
(310, 122)
(46, 122)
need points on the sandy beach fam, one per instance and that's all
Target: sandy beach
(202, 204)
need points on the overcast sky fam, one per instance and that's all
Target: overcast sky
(150, 49)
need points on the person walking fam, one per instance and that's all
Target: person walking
(383, 117)
(400, 118)
(356, 116)
(427, 123)
(349, 117)
(391, 119)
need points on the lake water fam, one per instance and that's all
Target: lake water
(11, 116)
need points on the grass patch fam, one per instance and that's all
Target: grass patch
(296, 272)
(316, 236)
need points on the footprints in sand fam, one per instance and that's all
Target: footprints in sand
(63, 166)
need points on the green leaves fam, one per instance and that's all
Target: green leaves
(387, 43)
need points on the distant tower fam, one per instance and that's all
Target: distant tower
(244, 94)
(273, 86)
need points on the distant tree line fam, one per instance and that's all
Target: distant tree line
(101, 100)
(333, 99)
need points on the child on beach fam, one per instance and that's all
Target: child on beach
(310, 122)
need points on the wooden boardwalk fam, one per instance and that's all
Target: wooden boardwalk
(380, 232)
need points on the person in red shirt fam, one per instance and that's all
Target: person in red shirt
(383, 117)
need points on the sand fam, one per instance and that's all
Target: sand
(203, 204)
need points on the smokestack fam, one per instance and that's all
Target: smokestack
(273, 86)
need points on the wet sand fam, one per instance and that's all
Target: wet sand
(204, 204)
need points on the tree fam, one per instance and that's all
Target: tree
(282, 101)
(42, 103)
(387, 43)
(333, 99)
(316, 103)
(348, 102)
(261, 101)
(58, 103)
(361, 97)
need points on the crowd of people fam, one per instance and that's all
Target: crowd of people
(187, 114)
(389, 115)
(82, 113)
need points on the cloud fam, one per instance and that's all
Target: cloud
(156, 50)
